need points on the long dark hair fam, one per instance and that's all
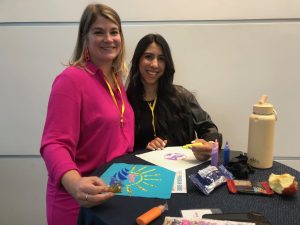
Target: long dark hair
(169, 107)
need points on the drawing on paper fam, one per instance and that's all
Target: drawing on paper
(140, 180)
(175, 156)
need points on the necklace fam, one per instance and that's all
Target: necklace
(114, 98)
(152, 107)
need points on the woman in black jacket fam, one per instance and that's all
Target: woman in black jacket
(165, 114)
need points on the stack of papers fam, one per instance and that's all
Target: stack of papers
(176, 159)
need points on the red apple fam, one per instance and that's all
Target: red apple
(284, 184)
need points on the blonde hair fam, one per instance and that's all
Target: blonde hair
(88, 17)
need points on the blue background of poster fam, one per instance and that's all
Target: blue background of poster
(141, 180)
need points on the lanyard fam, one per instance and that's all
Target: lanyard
(114, 98)
(152, 107)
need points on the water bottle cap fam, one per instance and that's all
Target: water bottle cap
(263, 107)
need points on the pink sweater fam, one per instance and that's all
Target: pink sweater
(82, 132)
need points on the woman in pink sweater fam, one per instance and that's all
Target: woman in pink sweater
(89, 120)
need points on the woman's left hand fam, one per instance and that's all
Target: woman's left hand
(203, 152)
(156, 144)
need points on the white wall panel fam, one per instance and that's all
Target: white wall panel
(155, 10)
(23, 191)
(30, 58)
(227, 65)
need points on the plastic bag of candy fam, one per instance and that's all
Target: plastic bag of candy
(210, 177)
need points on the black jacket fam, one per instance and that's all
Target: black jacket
(185, 123)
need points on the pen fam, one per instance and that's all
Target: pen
(226, 154)
(196, 144)
(215, 154)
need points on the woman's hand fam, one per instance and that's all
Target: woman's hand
(202, 152)
(156, 144)
(87, 191)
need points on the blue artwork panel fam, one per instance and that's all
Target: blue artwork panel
(148, 181)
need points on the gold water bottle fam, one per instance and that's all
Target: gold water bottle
(261, 134)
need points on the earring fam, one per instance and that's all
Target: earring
(86, 54)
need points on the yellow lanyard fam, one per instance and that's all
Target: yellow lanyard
(114, 98)
(152, 107)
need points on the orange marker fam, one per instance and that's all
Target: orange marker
(152, 214)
